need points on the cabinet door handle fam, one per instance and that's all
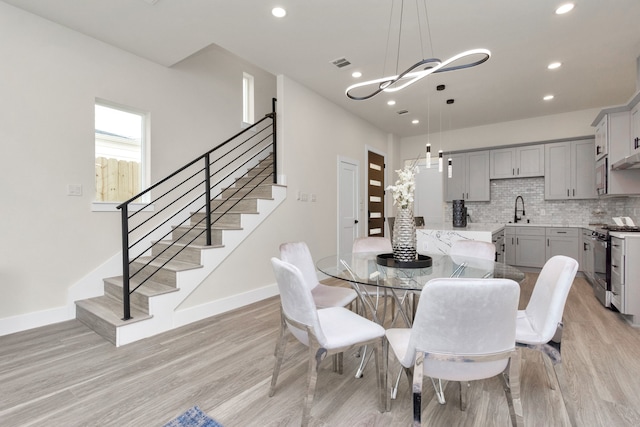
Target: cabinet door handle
(636, 143)
(567, 192)
(547, 242)
(517, 241)
(584, 247)
(574, 192)
(518, 171)
(598, 149)
(513, 172)
(561, 232)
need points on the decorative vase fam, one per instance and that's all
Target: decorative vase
(404, 235)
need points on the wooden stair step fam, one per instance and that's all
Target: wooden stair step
(104, 315)
(140, 298)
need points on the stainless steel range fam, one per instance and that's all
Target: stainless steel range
(602, 259)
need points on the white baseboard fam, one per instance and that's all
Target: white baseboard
(10, 325)
(199, 312)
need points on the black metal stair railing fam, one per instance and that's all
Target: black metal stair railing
(148, 219)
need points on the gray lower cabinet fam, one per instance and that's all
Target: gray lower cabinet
(525, 246)
(563, 241)
(586, 263)
(528, 246)
(569, 170)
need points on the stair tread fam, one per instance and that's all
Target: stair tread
(110, 310)
(190, 245)
(149, 289)
(173, 265)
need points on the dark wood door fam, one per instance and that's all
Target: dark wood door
(375, 204)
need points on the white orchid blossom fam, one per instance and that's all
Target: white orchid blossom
(404, 188)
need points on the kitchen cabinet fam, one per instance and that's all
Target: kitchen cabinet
(617, 274)
(498, 240)
(601, 135)
(525, 246)
(635, 130)
(569, 170)
(612, 135)
(470, 177)
(518, 162)
(625, 276)
(586, 263)
(563, 241)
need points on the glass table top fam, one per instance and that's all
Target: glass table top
(363, 268)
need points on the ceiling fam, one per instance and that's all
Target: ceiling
(598, 43)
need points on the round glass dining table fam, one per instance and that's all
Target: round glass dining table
(364, 269)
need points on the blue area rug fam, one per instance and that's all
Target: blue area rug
(194, 417)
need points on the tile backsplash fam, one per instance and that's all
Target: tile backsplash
(556, 212)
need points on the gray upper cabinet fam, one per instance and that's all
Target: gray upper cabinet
(470, 177)
(517, 162)
(570, 170)
(635, 130)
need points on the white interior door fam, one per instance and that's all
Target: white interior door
(429, 198)
(347, 204)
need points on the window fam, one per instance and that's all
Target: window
(247, 99)
(119, 146)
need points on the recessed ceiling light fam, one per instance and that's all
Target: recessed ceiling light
(278, 12)
(356, 74)
(391, 102)
(567, 7)
(548, 97)
(554, 65)
(415, 121)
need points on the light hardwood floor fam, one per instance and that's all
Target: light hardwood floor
(66, 375)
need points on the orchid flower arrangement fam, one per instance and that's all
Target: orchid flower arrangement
(404, 188)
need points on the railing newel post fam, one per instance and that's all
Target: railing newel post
(125, 262)
(207, 191)
(275, 153)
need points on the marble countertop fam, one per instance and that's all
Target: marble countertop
(493, 228)
(542, 224)
(471, 226)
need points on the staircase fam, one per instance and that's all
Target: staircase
(183, 262)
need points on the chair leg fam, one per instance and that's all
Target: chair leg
(417, 389)
(279, 354)
(464, 393)
(381, 372)
(316, 356)
(562, 382)
(512, 390)
(363, 363)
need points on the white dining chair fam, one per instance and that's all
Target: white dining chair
(325, 331)
(368, 296)
(473, 249)
(298, 254)
(464, 330)
(539, 326)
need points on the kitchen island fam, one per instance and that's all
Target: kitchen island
(438, 237)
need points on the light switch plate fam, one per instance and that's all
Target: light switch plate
(74, 190)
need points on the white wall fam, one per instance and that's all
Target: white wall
(546, 128)
(51, 77)
(313, 133)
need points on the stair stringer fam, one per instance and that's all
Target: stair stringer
(163, 308)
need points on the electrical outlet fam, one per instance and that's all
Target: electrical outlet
(313, 197)
(74, 190)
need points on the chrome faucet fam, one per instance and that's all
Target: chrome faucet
(515, 215)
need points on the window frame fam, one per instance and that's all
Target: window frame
(145, 174)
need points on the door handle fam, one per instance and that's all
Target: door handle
(355, 222)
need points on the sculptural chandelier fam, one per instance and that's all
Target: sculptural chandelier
(416, 72)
